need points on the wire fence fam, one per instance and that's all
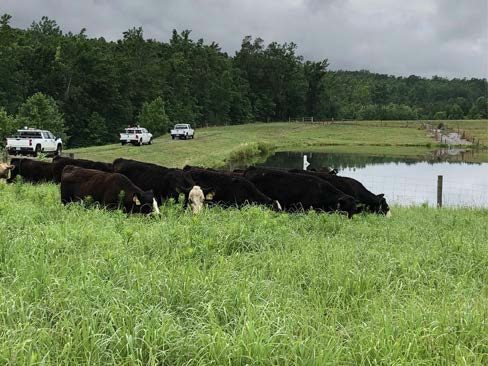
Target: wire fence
(408, 191)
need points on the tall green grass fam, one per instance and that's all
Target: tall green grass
(239, 287)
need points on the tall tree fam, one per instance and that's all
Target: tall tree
(41, 111)
(316, 97)
(153, 117)
(8, 125)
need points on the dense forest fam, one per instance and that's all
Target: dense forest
(87, 89)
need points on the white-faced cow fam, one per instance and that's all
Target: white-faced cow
(165, 182)
(5, 170)
(228, 190)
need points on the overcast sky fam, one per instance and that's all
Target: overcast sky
(400, 37)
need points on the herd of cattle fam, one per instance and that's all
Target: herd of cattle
(139, 187)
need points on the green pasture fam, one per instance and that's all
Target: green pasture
(213, 146)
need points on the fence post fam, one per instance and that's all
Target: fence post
(439, 191)
(305, 162)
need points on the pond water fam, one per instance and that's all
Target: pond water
(404, 181)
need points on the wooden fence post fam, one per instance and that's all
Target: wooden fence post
(439, 191)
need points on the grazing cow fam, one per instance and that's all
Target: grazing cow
(60, 162)
(108, 189)
(229, 190)
(165, 182)
(5, 169)
(295, 191)
(31, 170)
(367, 200)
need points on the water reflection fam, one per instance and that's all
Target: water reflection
(403, 180)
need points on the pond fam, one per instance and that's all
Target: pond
(404, 181)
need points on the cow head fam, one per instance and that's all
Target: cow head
(144, 203)
(382, 206)
(347, 204)
(196, 199)
(182, 183)
(5, 169)
(276, 206)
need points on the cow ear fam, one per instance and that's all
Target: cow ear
(381, 195)
(135, 199)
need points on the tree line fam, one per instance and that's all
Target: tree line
(87, 89)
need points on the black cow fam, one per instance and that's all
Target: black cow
(31, 170)
(295, 191)
(109, 189)
(60, 162)
(225, 189)
(368, 201)
(165, 182)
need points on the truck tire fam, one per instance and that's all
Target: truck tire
(58, 151)
(172, 137)
(192, 136)
(150, 141)
(140, 143)
(123, 143)
(37, 150)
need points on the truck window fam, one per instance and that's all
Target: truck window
(30, 134)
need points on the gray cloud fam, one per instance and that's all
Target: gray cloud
(423, 37)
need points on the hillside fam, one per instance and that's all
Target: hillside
(213, 146)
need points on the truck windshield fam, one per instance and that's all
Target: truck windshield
(181, 127)
(133, 131)
(29, 134)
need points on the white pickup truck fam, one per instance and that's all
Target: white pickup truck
(136, 136)
(31, 141)
(182, 131)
